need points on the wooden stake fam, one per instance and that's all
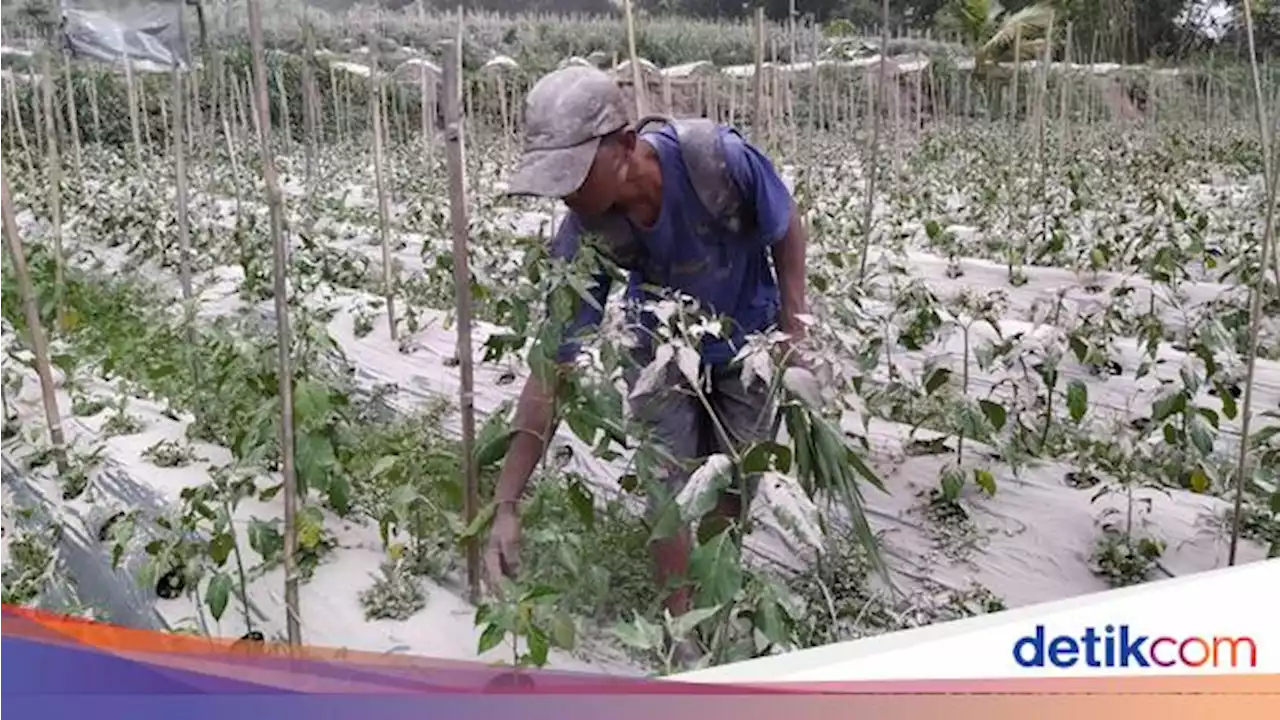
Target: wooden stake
(35, 330)
(94, 109)
(180, 185)
(16, 121)
(379, 180)
(309, 101)
(37, 117)
(1064, 110)
(53, 174)
(1270, 168)
(73, 118)
(455, 142)
(757, 77)
(873, 170)
(286, 120)
(284, 342)
(637, 81)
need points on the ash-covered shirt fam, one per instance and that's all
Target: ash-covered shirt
(688, 250)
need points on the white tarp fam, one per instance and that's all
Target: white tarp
(151, 37)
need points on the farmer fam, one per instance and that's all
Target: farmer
(649, 194)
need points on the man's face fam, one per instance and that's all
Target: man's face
(608, 174)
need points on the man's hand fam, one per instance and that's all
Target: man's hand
(790, 350)
(502, 556)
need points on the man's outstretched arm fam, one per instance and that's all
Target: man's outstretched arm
(789, 262)
(533, 424)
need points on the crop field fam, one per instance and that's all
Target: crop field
(1035, 341)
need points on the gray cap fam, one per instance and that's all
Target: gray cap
(565, 115)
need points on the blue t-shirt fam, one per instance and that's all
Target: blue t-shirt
(689, 250)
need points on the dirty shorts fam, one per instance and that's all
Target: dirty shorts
(677, 421)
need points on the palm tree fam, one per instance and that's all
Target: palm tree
(992, 33)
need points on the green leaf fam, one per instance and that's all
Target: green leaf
(936, 379)
(1229, 408)
(491, 637)
(539, 647)
(864, 470)
(770, 618)
(480, 524)
(582, 501)
(563, 632)
(636, 634)
(1079, 348)
(493, 449)
(539, 594)
(310, 403)
(315, 458)
(1199, 481)
(766, 456)
(668, 520)
(995, 412)
(220, 547)
(1263, 436)
(1077, 400)
(686, 623)
(384, 464)
(715, 567)
(340, 493)
(1171, 403)
(1201, 434)
(985, 480)
(217, 594)
(972, 420)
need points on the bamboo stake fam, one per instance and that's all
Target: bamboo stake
(180, 184)
(309, 101)
(231, 155)
(16, 115)
(380, 183)
(13, 123)
(286, 120)
(1017, 72)
(772, 94)
(873, 170)
(73, 117)
(37, 117)
(502, 107)
(637, 84)
(165, 125)
(37, 338)
(757, 77)
(257, 108)
(284, 342)
(1064, 140)
(94, 110)
(1042, 114)
(337, 105)
(195, 112)
(428, 118)
(814, 94)
(146, 119)
(1270, 167)
(790, 90)
(53, 175)
(455, 142)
